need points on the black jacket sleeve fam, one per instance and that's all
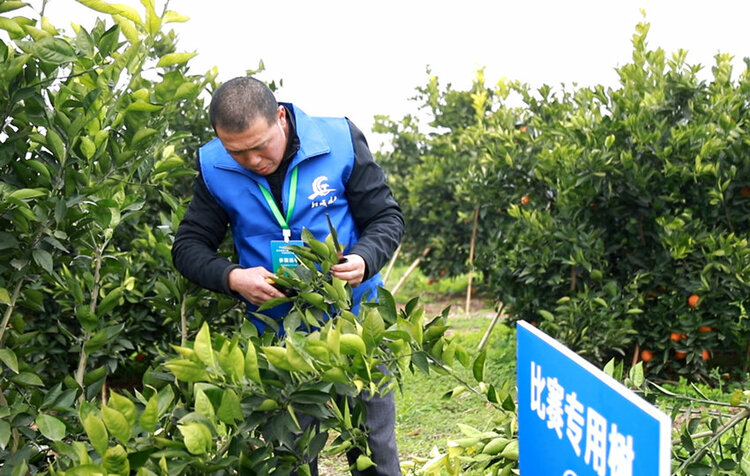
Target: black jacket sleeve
(201, 231)
(376, 213)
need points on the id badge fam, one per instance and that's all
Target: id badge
(281, 256)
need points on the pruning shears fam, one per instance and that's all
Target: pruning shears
(335, 238)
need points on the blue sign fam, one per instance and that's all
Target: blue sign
(575, 420)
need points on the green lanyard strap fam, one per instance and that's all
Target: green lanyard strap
(283, 222)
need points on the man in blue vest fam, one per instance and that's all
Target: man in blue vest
(271, 171)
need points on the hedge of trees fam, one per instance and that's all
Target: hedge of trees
(616, 219)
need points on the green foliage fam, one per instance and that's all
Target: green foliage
(244, 402)
(601, 211)
(98, 127)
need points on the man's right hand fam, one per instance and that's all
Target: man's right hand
(252, 285)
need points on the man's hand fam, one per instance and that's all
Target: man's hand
(352, 270)
(252, 285)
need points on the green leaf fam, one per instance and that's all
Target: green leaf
(113, 9)
(10, 5)
(187, 370)
(141, 106)
(150, 414)
(187, 90)
(4, 434)
(548, 316)
(364, 462)
(203, 404)
(116, 423)
(54, 50)
(8, 241)
(229, 409)
(141, 134)
(174, 17)
(636, 374)
(251, 364)
(387, 305)
(116, 461)
(26, 193)
(277, 357)
(153, 22)
(9, 359)
(171, 59)
(43, 258)
(203, 348)
(109, 302)
(231, 361)
(196, 436)
(27, 379)
(12, 27)
(373, 328)
(50, 427)
(96, 342)
(87, 147)
(95, 375)
(123, 405)
(97, 433)
(478, 367)
(4, 296)
(55, 145)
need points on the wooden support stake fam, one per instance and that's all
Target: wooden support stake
(410, 270)
(390, 265)
(492, 325)
(471, 260)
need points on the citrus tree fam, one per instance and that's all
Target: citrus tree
(614, 218)
(97, 128)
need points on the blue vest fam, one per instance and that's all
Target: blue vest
(324, 163)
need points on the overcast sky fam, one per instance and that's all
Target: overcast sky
(362, 58)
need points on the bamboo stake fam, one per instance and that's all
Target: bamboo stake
(410, 270)
(391, 263)
(471, 260)
(492, 325)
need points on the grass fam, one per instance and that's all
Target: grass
(426, 418)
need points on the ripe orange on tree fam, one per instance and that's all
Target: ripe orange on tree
(705, 355)
(679, 354)
(646, 355)
(704, 329)
(675, 336)
(525, 200)
(693, 300)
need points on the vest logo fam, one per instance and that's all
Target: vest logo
(320, 188)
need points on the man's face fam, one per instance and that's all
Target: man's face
(259, 148)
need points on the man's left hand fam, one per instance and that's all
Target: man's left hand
(352, 270)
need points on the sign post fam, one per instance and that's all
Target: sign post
(575, 420)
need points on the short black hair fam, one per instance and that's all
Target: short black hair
(239, 101)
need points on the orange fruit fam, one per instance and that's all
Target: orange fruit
(442, 272)
(704, 329)
(675, 336)
(523, 129)
(693, 300)
(525, 200)
(745, 192)
(680, 354)
(646, 355)
(705, 355)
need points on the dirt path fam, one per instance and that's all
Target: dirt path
(482, 306)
